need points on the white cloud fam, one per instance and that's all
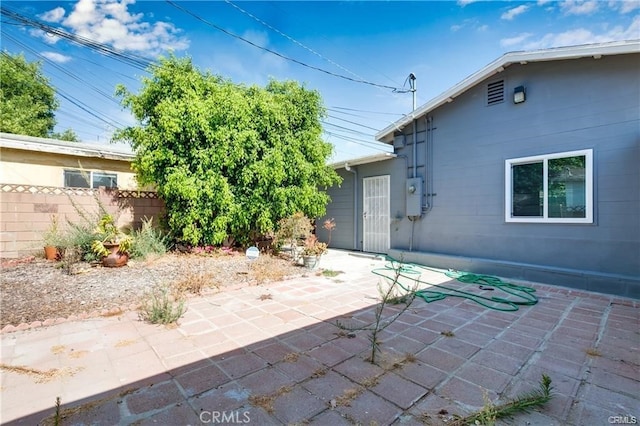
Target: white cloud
(45, 36)
(455, 28)
(514, 41)
(579, 7)
(54, 15)
(584, 36)
(624, 6)
(543, 2)
(56, 57)
(110, 22)
(463, 3)
(512, 13)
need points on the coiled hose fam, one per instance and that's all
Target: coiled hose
(516, 295)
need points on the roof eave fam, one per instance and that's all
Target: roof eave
(497, 66)
(363, 160)
(52, 146)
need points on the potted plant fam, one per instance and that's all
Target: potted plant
(312, 251)
(292, 232)
(53, 240)
(111, 243)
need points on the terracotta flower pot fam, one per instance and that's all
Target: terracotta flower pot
(115, 259)
(51, 253)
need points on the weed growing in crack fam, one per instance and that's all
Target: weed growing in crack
(331, 274)
(523, 403)
(447, 333)
(266, 401)
(394, 293)
(593, 352)
(57, 421)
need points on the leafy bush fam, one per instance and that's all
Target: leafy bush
(148, 240)
(229, 160)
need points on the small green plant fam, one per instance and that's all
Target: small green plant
(53, 236)
(447, 333)
(57, 420)
(331, 274)
(523, 403)
(80, 233)
(107, 233)
(162, 307)
(148, 240)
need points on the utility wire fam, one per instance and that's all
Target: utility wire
(69, 98)
(369, 112)
(352, 122)
(131, 59)
(60, 68)
(368, 144)
(229, 33)
(347, 129)
(293, 40)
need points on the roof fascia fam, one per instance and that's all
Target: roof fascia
(497, 66)
(53, 146)
(363, 160)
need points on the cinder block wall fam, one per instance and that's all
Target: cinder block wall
(26, 212)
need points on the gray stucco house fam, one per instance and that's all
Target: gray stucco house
(529, 169)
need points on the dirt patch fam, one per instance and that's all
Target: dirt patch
(41, 290)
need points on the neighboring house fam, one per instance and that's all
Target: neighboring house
(44, 178)
(529, 168)
(28, 160)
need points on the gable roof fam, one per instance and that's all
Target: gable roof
(54, 146)
(559, 53)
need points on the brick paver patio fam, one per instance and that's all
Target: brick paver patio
(237, 357)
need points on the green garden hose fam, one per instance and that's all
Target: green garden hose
(516, 295)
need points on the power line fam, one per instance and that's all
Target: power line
(352, 122)
(69, 98)
(356, 141)
(131, 59)
(293, 40)
(369, 112)
(58, 67)
(273, 52)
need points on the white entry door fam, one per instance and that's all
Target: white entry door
(375, 214)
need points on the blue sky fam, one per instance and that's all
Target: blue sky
(379, 43)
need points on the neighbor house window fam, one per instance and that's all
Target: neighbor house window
(88, 179)
(553, 188)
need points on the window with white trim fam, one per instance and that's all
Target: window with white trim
(89, 179)
(552, 188)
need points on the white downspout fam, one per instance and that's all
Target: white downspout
(355, 204)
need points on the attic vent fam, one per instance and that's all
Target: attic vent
(495, 92)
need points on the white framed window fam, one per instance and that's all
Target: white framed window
(89, 179)
(551, 188)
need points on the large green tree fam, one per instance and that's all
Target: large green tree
(27, 100)
(229, 160)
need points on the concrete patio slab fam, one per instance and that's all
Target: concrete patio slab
(237, 357)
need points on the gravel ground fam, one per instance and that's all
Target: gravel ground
(40, 290)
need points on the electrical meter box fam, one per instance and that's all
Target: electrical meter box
(414, 197)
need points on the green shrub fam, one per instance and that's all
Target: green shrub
(148, 240)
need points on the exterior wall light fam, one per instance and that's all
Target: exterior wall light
(519, 95)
